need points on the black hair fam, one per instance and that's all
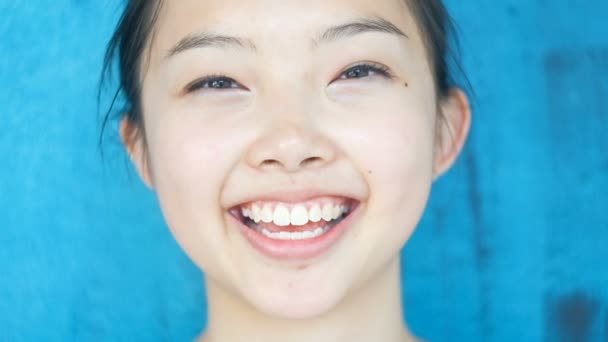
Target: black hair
(136, 29)
(132, 35)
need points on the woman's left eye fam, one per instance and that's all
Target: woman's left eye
(365, 70)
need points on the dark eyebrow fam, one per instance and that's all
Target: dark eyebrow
(362, 25)
(203, 39)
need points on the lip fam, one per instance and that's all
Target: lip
(292, 197)
(289, 250)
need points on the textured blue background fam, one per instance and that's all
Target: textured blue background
(513, 247)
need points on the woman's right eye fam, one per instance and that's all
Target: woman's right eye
(214, 82)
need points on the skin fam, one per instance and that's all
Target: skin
(292, 123)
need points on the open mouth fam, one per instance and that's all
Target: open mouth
(288, 221)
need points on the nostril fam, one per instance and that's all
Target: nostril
(311, 161)
(274, 163)
(271, 162)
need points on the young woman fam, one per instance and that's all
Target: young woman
(292, 146)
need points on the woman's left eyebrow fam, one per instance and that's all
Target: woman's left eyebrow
(359, 26)
(341, 31)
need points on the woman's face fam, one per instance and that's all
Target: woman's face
(293, 123)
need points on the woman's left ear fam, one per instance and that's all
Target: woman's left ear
(453, 127)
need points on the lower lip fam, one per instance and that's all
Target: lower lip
(297, 249)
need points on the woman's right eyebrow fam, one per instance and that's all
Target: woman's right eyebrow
(352, 28)
(203, 40)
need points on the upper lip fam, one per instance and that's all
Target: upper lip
(292, 197)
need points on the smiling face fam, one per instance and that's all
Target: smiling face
(289, 106)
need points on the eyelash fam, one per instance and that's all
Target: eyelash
(206, 82)
(368, 67)
(363, 68)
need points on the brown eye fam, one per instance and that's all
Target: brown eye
(357, 73)
(214, 82)
(364, 70)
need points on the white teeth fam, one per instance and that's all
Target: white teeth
(267, 214)
(315, 213)
(299, 216)
(328, 212)
(308, 234)
(281, 216)
(256, 213)
(337, 211)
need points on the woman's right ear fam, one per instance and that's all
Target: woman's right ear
(134, 144)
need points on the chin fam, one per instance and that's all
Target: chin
(296, 303)
(297, 308)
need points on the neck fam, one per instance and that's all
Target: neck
(373, 313)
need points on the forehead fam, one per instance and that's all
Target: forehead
(271, 22)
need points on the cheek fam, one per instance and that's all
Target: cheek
(187, 156)
(401, 180)
(193, 150)
(190, 157)
(392, 142)
(393, 149)
(402, 161)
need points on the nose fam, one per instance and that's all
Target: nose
(291, 147)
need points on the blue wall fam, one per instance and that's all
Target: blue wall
(513, 247)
